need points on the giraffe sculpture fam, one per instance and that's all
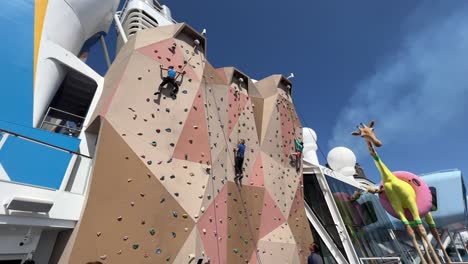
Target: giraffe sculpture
(401, 196)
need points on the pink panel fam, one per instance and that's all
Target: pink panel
(215, 218)
(222, 74)
(256, 177)
(161, 52)
(193, 143)
(235, 108)
(287, 128)
(253, 258)
(423, 195)
(271, 216)
(298, 202)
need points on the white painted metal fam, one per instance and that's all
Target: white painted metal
(79, 20)
(12, 236)
(3, 173)
(104, 50)
(396, 259)
(452, 239)
(122, 33)
(336, 253)
(65, 212)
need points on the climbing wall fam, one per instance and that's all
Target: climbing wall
(162, 188)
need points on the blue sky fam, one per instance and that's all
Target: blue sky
(402, 63)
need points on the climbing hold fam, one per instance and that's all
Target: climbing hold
(162, 178)
(125, 238)
(185, 216)
(189, 183)
(154, 143)
(172, 177)
(98, 234)
(204, 231)
(174, 213)
(139, 78)
(162, 200)
(119, 252)
(158, 130)
(173, 234)
(185, 110)
(172, 144)
(132, 204)
(149, 162)
(145, 255)
(170, 160)
(184, 91)
(158, 251)
(142, 194)
(103, 257)
(168, 130)
(176, 194)
(192, 174)
(152, 231)
(129, 180)
(186, 229)
(135, 246)
(168, 110)
(235, 250)
(168, 259)
(143, 222)
(202, 209)
(119, 218)
(195, 127)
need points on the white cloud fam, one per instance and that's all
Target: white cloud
(417, 92)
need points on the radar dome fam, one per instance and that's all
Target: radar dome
(342, 159)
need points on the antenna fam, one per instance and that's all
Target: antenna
(290, 76)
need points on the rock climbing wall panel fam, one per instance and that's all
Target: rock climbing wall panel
(162, 189)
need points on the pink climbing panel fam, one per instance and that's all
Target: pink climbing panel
(193, 142)
(298, 202)
(272, 217)
(256, 177)
(253, 258)
(215, 218)
(160, 52)
(235, 108)
(287, 128)
(423, 195)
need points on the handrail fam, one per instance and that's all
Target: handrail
(382, 258)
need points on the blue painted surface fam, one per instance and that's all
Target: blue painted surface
(25, 161)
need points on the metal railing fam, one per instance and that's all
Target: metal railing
(62, 122)
(386, 260)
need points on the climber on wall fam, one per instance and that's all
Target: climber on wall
(239, 160)
(299, 145)
(170, 79)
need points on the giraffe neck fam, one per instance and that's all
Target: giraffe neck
(387, 176)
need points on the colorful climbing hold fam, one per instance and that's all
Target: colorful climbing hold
(135, 246)
(174, 213)
(152, 231)
(158, 251)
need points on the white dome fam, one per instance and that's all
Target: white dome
(341, 157)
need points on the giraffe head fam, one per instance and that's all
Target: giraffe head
(367, 132)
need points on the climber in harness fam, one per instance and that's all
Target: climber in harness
(299, 146)
(239, 161)
(170, 79)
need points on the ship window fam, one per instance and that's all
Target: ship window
(434, 198)
(69, 107)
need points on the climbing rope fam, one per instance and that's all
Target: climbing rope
(211, 170)
(232, 163)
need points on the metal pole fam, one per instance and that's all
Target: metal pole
(454, 245)
(463, 242)
(120, 28)
(106, 53)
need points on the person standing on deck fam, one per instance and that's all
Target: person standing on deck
(314, 257)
